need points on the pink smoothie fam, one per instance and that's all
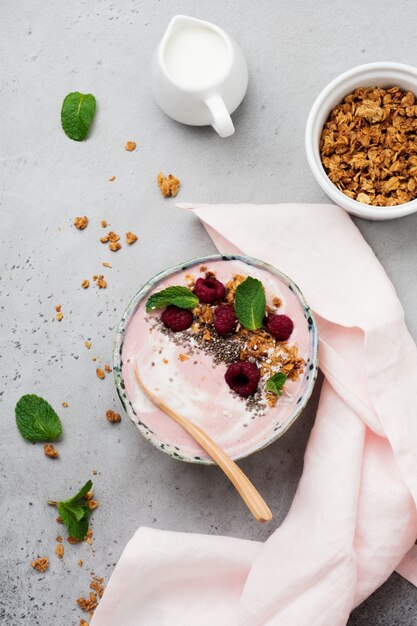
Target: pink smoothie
(195, 388)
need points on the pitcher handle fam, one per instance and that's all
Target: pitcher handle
(222, 122)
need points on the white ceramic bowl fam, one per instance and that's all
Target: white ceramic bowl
(371, 74)
(274, 429)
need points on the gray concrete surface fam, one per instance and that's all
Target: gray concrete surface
(104, 47)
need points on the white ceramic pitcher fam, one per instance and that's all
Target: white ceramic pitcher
(199, 74)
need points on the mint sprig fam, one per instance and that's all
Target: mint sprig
(177, 295)
(77, 114)
(36, 419)
(75, 512)
(250, 303)
(276, 383)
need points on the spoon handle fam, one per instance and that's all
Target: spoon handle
(252, 498)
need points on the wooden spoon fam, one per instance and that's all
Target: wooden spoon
(252, 498)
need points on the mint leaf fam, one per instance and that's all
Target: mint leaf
(276, 383)
(75, 509)
(77, 114)
(36, 419)
(82, 492)
(180, 296)
(75, 512)
(250, 303)
(76, 527)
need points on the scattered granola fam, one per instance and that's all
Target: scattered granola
(113, 236)
(59, 550)
(83, 623)
(88, 604)
(100, 282)
(204, 313)
(50, 451)
(97, 586)
(41, 564)
(232, 285)
(293, 364)
(58, 308)
(130, 238)
(59, 316)
(103, 224)
(114, 246)
(112, 179)
(183, 357)
(113, 417)
(81, 222)
(85, 284)
(271, 398)
(130, 146)
(105, 264)
(190, 278)
(72, 540)
(58, 539)
(368, 146)
(100, 373)
(92, 504)
(261, 346)
(65, 405)
(80, 562)
(168, 186)
(87, 344)
(107, 368)
(207, 336)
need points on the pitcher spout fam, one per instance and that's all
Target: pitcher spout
(180, 21)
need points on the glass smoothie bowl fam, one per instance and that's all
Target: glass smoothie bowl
(186, 368)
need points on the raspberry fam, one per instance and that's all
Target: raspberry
(176, 319)
(243, 377)
(279, 326)
(209, 289)
(224, 319)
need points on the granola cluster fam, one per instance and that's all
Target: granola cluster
(41, 564)
(90, 603)
(100, 372)
(168, 186)
(59, 314)
(270, 355)
(130, 238)
(50, 451)
(130, 146)
(81, 222)
(112, 239)
(59, 550)
(113, 417)
(231, 287)
(368, 146)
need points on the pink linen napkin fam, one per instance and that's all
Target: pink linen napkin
(354, 517)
